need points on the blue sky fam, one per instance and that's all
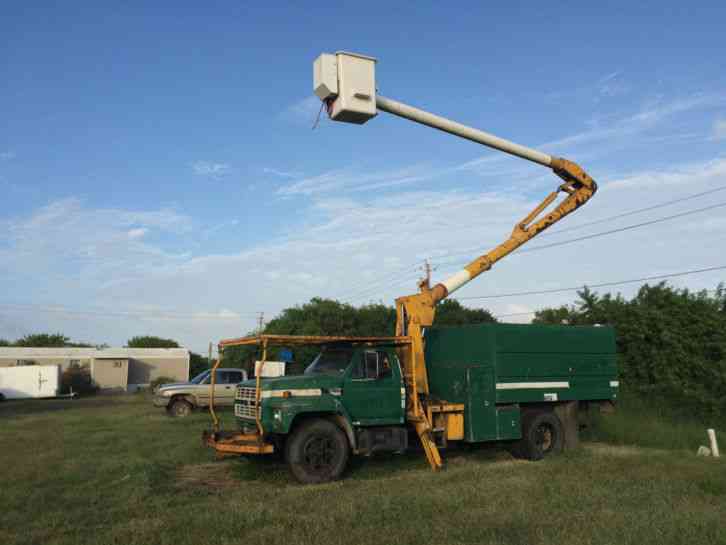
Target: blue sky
(158, 161)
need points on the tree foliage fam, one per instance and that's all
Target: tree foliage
(197, 364)
(149, 341)
(48, 340)
(671, 342)
(328, 317)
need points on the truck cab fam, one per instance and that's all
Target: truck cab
(363, 385)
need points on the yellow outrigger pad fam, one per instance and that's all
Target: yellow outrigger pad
(236, 443)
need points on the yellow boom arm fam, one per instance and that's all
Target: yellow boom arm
(414, 312)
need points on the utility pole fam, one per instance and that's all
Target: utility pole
(426, 280)
(260, 323)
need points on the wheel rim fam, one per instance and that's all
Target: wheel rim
(180, 409)
(319, 454)
(545, 437)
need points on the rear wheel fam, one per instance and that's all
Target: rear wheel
(317, 452)
(179, 408)
(542, 435)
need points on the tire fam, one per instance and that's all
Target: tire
(542, 436)
(179, 408)
(317, 452)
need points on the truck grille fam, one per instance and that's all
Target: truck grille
(245, 405)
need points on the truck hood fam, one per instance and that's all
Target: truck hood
(297, 382)
(173, 386)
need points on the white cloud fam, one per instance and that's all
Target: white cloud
(210, 169)
(360, 247)
(688, 173)
(7, 155)
(356, 178)
(612, 85)
(613, 134)
(719, 129)
(281, 173)
(137, 233)
(304, 110)
(66, 237)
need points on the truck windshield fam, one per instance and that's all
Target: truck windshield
(330, 362)
(199, 379)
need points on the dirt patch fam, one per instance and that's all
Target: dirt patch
(210, 477)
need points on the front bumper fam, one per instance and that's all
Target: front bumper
(235, 443)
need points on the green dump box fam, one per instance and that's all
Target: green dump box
(498, 370)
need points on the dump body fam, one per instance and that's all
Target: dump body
(495, 369)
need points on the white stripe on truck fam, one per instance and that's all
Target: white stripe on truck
(530, 385)
(296, 392)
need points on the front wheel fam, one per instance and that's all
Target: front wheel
(179, 408)
(317, 452)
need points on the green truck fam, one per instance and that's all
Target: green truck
(521, 385)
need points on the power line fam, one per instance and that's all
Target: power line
(599, 285)
(409, 278)
(613, 231)
(514, 314)
(626, 228)
(366, 287)
(632, 212)
(123, 314)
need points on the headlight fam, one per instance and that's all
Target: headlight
(277, 414)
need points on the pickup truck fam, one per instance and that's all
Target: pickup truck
(181, 398)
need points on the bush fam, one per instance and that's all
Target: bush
(78, 380)
(158, 381)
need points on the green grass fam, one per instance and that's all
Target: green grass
(118, 471)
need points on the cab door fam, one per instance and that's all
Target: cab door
(373, 393)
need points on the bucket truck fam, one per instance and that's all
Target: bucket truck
(517, 384)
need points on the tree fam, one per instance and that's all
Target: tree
(197, 364)
(43, 340)
(671, 342)
(149, 341)
(452, 312)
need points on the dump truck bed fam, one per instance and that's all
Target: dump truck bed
(494, 369)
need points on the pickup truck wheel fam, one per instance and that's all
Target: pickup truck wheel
(317, 452)
(542, 435)
(179, 408)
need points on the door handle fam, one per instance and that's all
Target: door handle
(227, 387)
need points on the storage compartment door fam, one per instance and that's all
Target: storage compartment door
(481, 413)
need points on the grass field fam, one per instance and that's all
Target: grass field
(117, 471)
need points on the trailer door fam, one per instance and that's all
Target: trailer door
(481, 414)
